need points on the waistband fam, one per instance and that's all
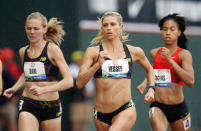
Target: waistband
(43, 103)
(126, 105)
(170, 106)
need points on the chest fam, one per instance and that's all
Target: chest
(115, 68)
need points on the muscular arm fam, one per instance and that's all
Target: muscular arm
(20, 82)
(150, 77)
(186, 72)
(56, 56)
(143, 61)
(141, 88)
(87, 68)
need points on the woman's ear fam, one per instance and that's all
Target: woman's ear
(122, 26)
(179, 33)
(45, 30)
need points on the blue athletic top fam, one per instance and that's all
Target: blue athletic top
(98, 73)
(40, 68)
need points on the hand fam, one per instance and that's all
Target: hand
(141, 88)
(166, 53)
(149, 97)
(8, 93)
(102, 56)
(36, 90)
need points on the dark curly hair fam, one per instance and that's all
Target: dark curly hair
(180, 20)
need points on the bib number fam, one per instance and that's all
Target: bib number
(115, 68)
(34, 70)
(187, 123)
(20, 104)
(162, 77)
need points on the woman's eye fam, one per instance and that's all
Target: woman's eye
(113, 24)
(172, 29)
(36, 28)
(164, 29)
(28, 28)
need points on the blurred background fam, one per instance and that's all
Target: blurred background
(80, 23)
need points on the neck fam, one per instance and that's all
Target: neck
(113, 44)
(37, 45)
(172, 47)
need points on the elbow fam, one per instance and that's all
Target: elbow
(79, 84)
(191, 83)
(69, 83)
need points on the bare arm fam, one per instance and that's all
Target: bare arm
(143, 61)
(141, 88)
(20, 82)
(87, 68)
(56, 56)
(186, 72)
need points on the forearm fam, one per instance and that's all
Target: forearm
(62, 85)
(150, 79)
(144, 82)
(183, 75)
(85, 75)
(20, 83)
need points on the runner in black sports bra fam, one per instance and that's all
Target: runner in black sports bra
(116, 67)
(40, 68)
(40, 103)
(113, 105)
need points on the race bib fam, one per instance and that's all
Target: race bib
(115, 68)
(20, 104)
(162, 77)
(34, 71)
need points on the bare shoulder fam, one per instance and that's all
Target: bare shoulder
(92, 51)
(153, 52)
(53, 47)
(185, 54)
(54, 53)
(134, 49)
(184, 51)
(22, 50)
(137, 53)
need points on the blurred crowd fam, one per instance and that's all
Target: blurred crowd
(80, 100)
(10, 74)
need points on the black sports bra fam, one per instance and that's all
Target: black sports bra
(116, 67)
(40, 68)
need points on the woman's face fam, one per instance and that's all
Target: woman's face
(111, 27)
(170, 32)
(34, 30)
